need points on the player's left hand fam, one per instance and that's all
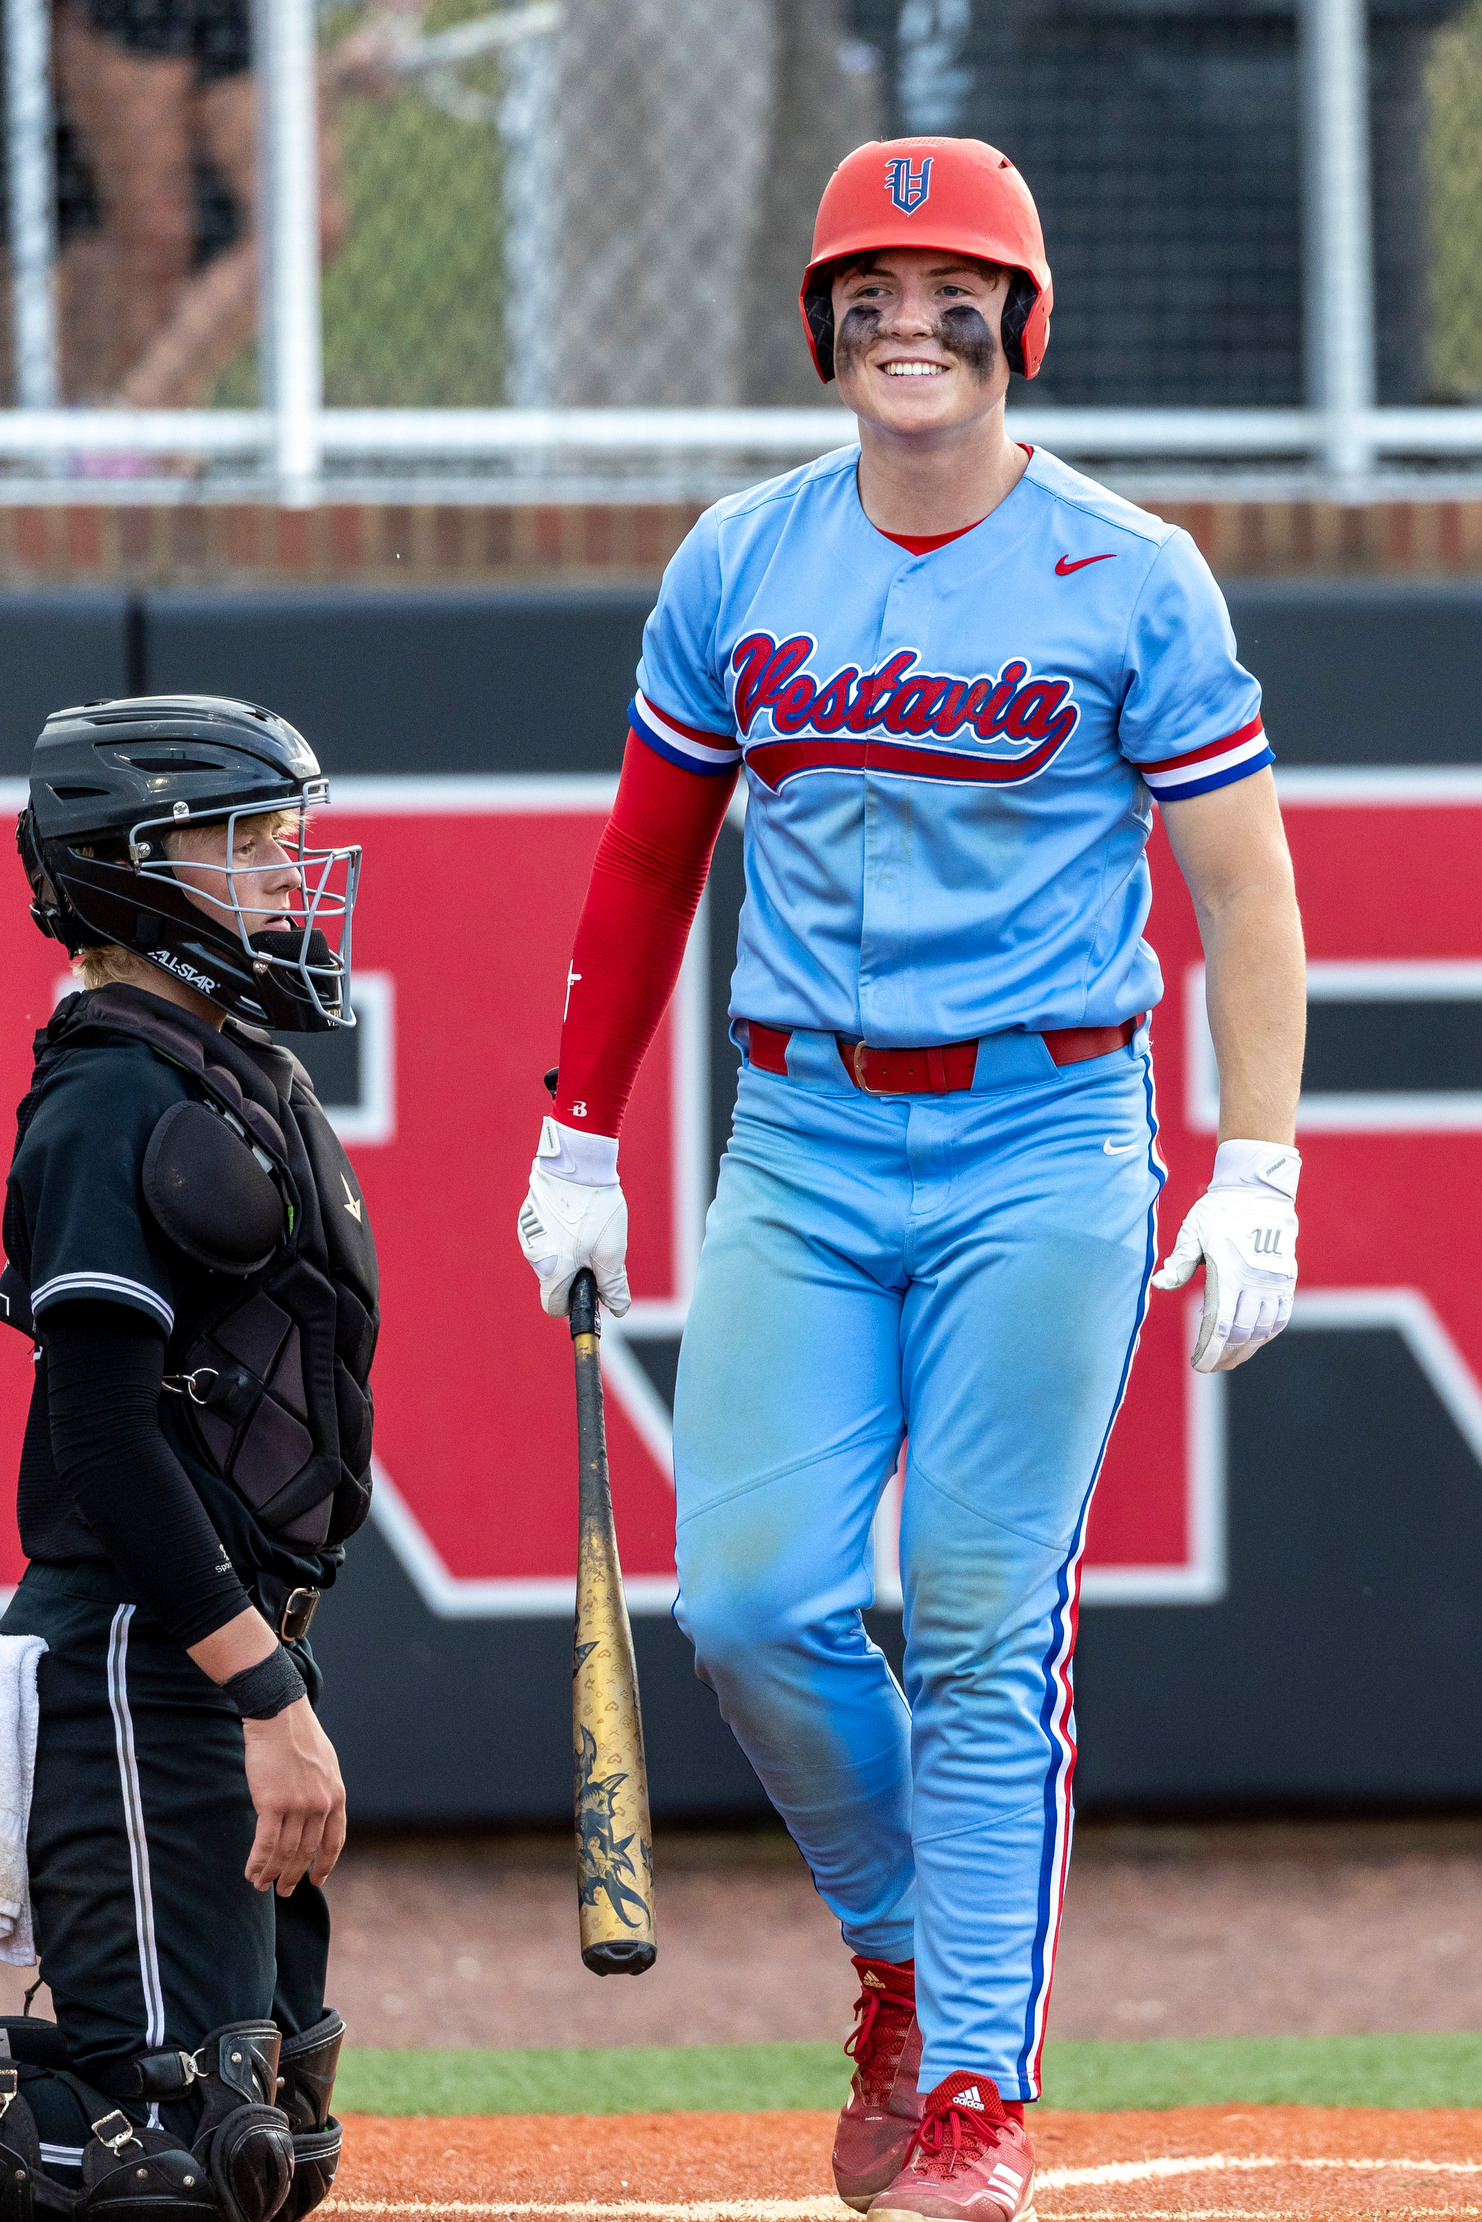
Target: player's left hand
(1244, 1228)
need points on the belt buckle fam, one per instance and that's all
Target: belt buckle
(861, 1051)
(299, 1608)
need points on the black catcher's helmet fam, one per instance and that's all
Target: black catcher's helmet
(112, 781)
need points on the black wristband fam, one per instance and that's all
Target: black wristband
(262, 1691)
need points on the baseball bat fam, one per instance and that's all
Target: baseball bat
(614, 1841)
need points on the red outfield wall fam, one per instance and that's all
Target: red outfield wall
(460, 1018)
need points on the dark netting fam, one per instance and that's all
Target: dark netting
(1164, 143)
(1163, 150)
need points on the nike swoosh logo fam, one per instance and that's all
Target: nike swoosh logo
(1064, 567)
(1118, 1149)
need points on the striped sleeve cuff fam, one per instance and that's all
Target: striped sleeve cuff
(689, 745)
(1235, 756)
(108, 1288)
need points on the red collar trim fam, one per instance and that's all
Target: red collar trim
(922, 543)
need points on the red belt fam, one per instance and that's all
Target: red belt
(938, 1071)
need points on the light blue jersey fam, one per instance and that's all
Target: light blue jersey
(950, 758)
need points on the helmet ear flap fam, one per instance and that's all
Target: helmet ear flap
(50, 909)
(818, 316)
(1017, 309)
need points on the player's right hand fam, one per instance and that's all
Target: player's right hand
(293, 1779)
(576, 1215)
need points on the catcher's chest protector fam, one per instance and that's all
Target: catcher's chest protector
(255, 1186)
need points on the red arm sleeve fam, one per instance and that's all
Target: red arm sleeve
(646, 883)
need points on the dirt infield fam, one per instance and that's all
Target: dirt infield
(1206, 2162)
(1246, 1929)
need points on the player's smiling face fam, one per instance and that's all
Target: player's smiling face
(916, 339)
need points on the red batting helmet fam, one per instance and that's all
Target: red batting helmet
(957, 194)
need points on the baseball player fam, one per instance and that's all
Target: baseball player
(189, 1253)
(957, 676)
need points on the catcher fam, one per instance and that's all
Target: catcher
(189, 1252)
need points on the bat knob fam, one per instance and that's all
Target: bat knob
(623, 1956)
(583, 1312)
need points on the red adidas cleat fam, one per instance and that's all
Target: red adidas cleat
(970, 2161)
(876, 2127)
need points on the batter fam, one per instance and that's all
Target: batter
(956, 676)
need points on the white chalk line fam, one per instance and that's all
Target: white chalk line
(689, 2210)
(801, 2210)
(1216, 2164)
(1102, 2176)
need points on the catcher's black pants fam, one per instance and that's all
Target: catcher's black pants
(149, 1933)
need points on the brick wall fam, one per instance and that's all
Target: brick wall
(431, 544)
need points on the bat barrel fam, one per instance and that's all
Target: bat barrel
(613, 1834)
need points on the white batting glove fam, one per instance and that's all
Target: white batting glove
(1244, 1228)
(576, 1215)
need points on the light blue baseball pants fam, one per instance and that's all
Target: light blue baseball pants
(968, 1271)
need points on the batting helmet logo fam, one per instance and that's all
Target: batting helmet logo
(908, 188)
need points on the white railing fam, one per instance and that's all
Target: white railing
(33, 216)
(297, 450)
(290, 353)
(1339, 230)
(298, 440)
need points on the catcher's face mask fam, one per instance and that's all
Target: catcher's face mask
(287, 905)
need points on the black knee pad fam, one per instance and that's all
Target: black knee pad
(244, 2138)
(249, 2158)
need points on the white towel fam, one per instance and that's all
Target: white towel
(18, 1719)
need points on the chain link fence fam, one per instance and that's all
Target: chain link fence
(606, 204)
(579, 203)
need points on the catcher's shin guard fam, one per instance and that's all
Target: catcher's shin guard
(244, 2138)
(25, 2189)
(307, 2064)
(133, 2174)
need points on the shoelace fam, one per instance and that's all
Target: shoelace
(878, 2057)
(957, 2133)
